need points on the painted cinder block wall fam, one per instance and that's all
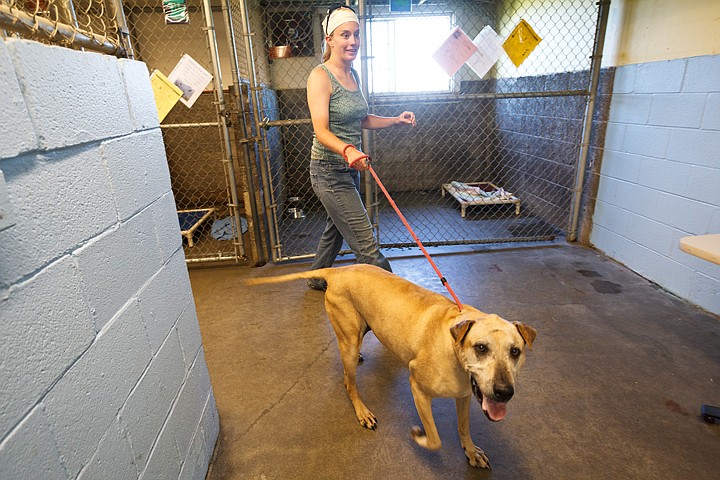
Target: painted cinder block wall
(102, 367)
(660, 173)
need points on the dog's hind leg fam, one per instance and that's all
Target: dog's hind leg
(350, 363)
(475, 455)
(430, 439)
(350, 330)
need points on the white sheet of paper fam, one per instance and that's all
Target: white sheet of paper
(454, 51)
(190, 77)
(489, 50)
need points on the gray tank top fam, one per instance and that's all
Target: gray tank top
(347, 109)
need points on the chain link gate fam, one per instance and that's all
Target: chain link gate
(202, 170)
(513, 137)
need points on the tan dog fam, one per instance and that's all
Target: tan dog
(450, 353)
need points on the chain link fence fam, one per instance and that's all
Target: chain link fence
(493, 158)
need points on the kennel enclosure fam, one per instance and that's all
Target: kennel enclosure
(531, 129)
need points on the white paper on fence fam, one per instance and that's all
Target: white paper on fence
(454, 51)
(191, 78)
(489, 50)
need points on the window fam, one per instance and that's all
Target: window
(402, 49)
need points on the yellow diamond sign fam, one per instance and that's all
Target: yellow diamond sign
(521, 42)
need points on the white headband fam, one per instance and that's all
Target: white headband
(338, 17)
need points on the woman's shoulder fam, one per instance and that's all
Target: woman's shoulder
(323, 75)
(321, 69)
(319, 79)
(320, 72)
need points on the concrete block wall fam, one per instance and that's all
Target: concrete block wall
(660, 174)
(102, 366)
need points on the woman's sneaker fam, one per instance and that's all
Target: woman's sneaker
(317, 284)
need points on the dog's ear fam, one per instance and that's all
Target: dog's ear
(459, 330)
(526, 332)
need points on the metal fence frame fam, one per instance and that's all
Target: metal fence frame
(90, 26)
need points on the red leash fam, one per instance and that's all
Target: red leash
(443, 280)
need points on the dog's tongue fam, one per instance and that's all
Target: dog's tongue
(495, 410)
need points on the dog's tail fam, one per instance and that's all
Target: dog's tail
(322, 274)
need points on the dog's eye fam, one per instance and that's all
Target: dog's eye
(514, 352)
(481, 349)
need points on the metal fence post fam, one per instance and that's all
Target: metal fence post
(603, 11)
(248, 155)
(367, 137)
(256, 108)
(222, 113)
(123, 30)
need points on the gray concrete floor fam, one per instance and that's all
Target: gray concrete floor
(611, 390)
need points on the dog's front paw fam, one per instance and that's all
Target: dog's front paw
(421, 439)
(478, 459)
(368, 420)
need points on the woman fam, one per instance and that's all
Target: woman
(339, 112)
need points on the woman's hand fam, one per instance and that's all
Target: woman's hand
(373, 122)
(405, 118)
(356, 159)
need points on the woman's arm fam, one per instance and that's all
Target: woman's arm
(374, 122)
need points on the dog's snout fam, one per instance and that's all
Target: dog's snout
(503, 393)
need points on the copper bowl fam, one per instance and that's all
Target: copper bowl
(280, 51)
